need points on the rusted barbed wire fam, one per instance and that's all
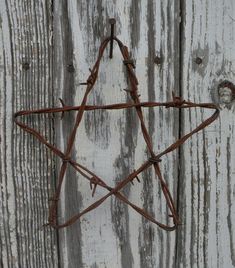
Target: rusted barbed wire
(153, 160)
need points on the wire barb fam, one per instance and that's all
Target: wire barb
(129, 61)
(177, 101)
(63, 105)
(154, 160)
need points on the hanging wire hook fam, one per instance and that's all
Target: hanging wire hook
(112, 21)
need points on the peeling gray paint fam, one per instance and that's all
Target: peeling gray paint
(229, 200)
(146, 236)
(97, 123)
(73, 199)
(123, 167)
(146, 242)
(135, 22)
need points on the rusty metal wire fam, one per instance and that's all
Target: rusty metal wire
(153, 160)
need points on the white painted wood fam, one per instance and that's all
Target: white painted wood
(110, 142)
(26, 168)
(207, 185)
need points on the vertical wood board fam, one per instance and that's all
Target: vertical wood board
(112, 145)
(26, 169)
(207, 176)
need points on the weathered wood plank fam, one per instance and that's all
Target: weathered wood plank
(26, 169)
(110, 142)
(207, 183)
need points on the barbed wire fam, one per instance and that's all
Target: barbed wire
(154, 159)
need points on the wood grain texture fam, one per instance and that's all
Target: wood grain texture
(55, 36)
(26, 169)
(110, 142)
(207, 185)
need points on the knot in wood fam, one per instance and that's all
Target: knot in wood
(227, 84)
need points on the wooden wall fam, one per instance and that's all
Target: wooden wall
(39, 42)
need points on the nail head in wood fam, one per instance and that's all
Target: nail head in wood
(25, 66)
(198, 60)
(157, 60)
(70, 68)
